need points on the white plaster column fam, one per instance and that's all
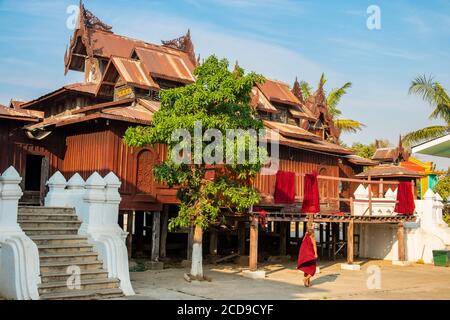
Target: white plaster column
(75, 194)
(94, 202)
(10, 193)
(57, 195)
(19, 257)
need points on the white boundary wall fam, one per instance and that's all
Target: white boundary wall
(428, 233)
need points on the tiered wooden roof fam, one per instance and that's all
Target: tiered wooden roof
(144, 65)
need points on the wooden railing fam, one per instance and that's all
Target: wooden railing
(381, 183)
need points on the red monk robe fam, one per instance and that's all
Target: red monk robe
(405, 199)
(306, 257)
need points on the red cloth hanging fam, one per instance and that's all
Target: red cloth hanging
(285, 187)
(311, 202)
(405, 199)
(262, 217)
(306, 259)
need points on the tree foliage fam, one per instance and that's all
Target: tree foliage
(436, 95)
(443, 188)
(220, 100)
(367, 150)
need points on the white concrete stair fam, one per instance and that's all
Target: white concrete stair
(55, 232)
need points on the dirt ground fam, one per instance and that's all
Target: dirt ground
(283, 281)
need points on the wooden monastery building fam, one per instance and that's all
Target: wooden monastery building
(78, 128)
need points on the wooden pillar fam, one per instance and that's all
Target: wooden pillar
(381, 189)
(350, 242)
(370, 195)
(190, 242)
(139, 233)
(130, 219)
(327, 235)
(321, 238)
(283, 238)
(297, 229)
(401, 242)
(253, 259)
(156, 235)
(241, 238)
(305, 228)
(334, 235)
(213, 240)
(164, 230)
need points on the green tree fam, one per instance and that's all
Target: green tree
(443, 188)
(367, 150)
(219, 99)
(333, 100)
(436, 95)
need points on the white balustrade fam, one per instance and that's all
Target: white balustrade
(19, 256)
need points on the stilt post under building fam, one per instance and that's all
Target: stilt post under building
(164, 230)
(283, 238)
(401, 242)
(350, 242)
(253, 259)
(156, 233)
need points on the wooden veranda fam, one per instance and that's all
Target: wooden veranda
(331, 218)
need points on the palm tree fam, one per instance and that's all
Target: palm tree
(436, 95)
(333, 99)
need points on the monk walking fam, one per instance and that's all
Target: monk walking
(307, 257)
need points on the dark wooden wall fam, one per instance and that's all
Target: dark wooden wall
(97, 145)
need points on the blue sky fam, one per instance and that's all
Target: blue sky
(281, 39)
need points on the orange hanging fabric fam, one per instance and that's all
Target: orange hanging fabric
(311, 203)
(405, 199)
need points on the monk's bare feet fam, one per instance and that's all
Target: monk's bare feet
(305, 282)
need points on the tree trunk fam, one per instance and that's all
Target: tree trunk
(197, 255)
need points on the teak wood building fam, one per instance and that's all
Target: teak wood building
(79, 127)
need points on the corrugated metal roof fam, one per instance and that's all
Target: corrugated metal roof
(170, 66)
(385, 154)
(277, 91)
(136, 113)
(314, 145)
(390, 171)
(150, 105)
(292, 131)
(133, 72)
(87, 88)
(355, 159)
(19, 114)
(260, 102)
(107, 44)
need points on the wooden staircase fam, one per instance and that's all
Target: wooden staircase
(55, 232)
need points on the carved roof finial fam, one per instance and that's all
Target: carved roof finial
(89, 20)
(183, 43)
(297, 90)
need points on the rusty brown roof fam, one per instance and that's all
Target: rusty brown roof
(132, 72)
(260, 102)
(385, 154)
(19, 114)
(313, 145)
(355, 159)
(15, 104)
(173, 66)
(277, 91)
(290, 131)
(390, 171)
(138, 111)
(84, 88)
